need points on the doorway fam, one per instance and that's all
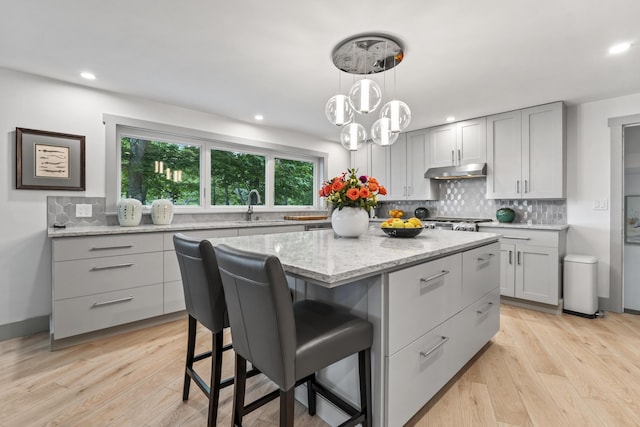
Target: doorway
(631, 191)
(617, 128)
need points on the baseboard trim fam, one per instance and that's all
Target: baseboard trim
(531, 305)
(631, 311)
(24, 328)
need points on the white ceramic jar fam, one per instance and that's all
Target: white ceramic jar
(162, 211)
(129, 212)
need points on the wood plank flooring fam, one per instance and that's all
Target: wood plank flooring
(539, 370)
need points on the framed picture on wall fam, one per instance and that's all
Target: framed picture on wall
(632, 219)
(49, 160)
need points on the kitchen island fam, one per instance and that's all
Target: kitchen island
(433, 300)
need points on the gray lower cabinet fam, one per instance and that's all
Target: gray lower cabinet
(440, 314)
(531, 263)
(173, 293)
(104, 281)
(110, 280)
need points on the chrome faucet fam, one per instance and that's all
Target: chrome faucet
(250, 208)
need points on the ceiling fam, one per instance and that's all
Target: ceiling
(464, 58)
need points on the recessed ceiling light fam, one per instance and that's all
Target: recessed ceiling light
(451, 119)
(87, 75)
(619, 48)
(258, 117)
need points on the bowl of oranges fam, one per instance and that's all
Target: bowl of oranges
(397, 227)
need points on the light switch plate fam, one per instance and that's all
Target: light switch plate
(83, 210)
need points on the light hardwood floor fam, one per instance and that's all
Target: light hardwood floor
(539, 370)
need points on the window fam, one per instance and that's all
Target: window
(293, 182)
(234, 174)
(152, 170)
(200, 171)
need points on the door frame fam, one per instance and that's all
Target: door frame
(616, 220)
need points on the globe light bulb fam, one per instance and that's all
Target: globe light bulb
(338, 110)
(365, 96)
(398, 113)
(353, 136)
(381, 132)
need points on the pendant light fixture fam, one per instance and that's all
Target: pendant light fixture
(364, 55)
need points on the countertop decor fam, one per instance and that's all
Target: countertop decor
(352, 198)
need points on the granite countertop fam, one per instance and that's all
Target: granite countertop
(153, 228)
(551, 227)
(321, 258)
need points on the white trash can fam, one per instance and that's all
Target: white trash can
(580, 283)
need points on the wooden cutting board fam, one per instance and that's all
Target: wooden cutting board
(305, 217)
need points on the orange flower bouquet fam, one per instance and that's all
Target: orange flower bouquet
(350, 190)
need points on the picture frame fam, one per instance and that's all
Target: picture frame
(49, 160)
(632, 219)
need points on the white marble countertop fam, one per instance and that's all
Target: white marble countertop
(321, 258)
(552, 227)
(153, 228)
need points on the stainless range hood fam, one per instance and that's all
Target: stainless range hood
(475, 170)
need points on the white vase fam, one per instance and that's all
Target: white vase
(162, 211)
(129, 212)
(349, 222)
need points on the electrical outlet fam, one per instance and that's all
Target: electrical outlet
(83, 210)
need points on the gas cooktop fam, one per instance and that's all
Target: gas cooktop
(455, 219)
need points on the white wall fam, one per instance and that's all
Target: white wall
(36, 103)
(588, 178)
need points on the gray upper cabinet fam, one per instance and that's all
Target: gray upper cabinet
(458, 143)
(526, 153)
(409, 160)
(373, 160)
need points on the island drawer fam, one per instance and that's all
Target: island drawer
(480, 272)
(199, 234)
(89, 313)
(98, 275)
(417, 372)
(475, 326)
(422, 297)
(71, 248)
(544, 238)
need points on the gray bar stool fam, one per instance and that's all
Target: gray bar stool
(289, 342)
(205, 303)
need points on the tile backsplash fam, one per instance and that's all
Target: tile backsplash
(466, 198)
(62, 211)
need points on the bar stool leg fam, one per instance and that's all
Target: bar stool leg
(191, 348)
(311, 395)
(239, 388)
(364, 365)
(216, 374)
(287, 400)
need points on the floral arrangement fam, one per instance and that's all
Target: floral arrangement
(350, 190)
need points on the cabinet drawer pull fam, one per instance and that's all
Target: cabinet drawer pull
(489, 304)
(104, 248)
(518, 257)
(516, 237)
(486, 257)
(434, 277)
(109, 267)
(453, 160)
(113, 301)
(526, 186)
(459, 156)
(435, 347)
(510, 257)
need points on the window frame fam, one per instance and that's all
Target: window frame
(117, 126)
